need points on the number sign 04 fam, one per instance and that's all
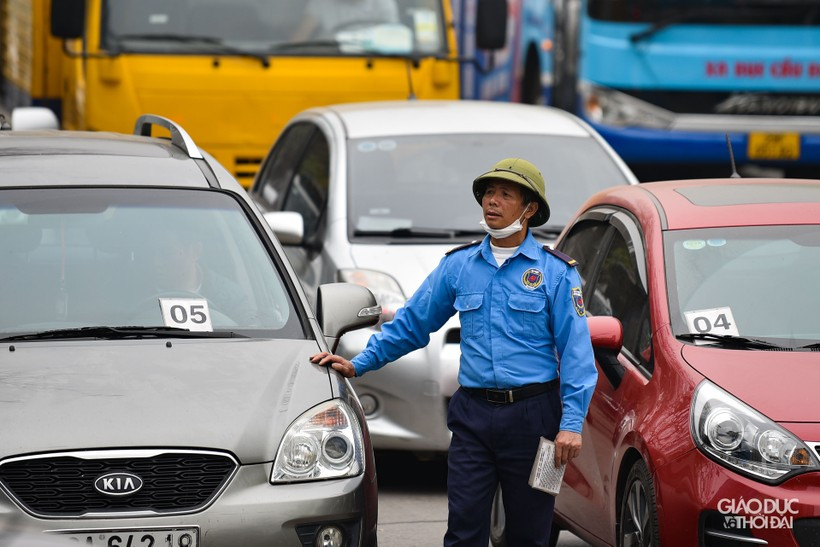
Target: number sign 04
(713, 321)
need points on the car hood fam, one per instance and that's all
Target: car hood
(407, 264)
(235, 395)
(779, 384)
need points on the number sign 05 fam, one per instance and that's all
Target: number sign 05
(186, 313)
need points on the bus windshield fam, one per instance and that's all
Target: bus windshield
(276, 27)
(747, 12)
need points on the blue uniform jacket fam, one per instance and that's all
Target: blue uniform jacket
(519, 321)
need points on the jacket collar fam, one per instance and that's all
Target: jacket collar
(529, 248)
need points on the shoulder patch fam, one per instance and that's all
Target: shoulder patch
(558, 254)
(470, 244)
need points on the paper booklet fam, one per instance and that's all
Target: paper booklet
(544, 475)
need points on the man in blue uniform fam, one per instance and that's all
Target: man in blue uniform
(522, 323)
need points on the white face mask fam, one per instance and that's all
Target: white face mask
(501, 233)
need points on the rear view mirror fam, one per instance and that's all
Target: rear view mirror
(491, 24)
(68, 19)
(343, 307)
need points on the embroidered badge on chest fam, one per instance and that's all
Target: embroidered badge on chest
(532, 278)
(578, 300)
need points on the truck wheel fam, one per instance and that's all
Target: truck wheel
(638, 519)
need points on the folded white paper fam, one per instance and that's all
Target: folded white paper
(544, 475)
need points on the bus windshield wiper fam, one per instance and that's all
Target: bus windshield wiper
(730, 340)
(118, 333)
(221, 46)
(681, 16)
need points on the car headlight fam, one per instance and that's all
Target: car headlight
(607, 106)
(745, 440)
(387, 291)
(323, 443)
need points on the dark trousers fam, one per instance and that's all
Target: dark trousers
(495, 444)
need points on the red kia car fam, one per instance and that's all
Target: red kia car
(705, 425)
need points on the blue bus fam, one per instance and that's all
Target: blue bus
(664, 81)
(522, 70)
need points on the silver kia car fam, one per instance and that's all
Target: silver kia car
(155, 383)
(376, 193)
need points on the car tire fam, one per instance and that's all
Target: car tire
(638, 518)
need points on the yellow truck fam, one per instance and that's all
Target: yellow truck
(231, 71)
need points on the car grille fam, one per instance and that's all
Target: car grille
(63, 485)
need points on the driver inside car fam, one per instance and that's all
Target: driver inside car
(323, 18)
(177, 271)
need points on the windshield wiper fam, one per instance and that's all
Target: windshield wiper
(814, 345)
(730, 340)
(221, 46)
(443, 233)
(284, 46)
(681, 16)
(549, 230)
(339, 45)
(117, 333)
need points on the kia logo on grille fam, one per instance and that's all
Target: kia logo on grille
(118, 484)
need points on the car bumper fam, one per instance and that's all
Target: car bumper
(410, 394)
(703, 503)
(663, 146)
(249, 512)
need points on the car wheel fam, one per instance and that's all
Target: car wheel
(638, 521)
(498, 523)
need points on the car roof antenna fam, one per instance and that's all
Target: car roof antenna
(734, 174)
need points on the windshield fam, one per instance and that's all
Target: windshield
(423, 183)
(290, 27)
(761, 12)
(72, 258)
(754, 282)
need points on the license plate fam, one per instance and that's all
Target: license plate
(774, 146)
(158, 537)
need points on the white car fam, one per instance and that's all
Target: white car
(376, 193)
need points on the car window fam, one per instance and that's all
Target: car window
(75, 257)
(585, 243)
(307, 193)
(618, 291)
(278, 171)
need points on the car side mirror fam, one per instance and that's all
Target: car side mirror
(607, 336)
(491, 24)
(343, 307)
(288, 226)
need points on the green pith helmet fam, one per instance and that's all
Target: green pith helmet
(521, 172)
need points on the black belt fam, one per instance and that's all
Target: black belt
(505, 396)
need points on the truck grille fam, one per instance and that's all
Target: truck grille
(745, 103)
(63, 485)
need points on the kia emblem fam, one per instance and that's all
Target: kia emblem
(118, 484)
